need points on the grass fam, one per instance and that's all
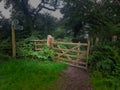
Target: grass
(29, 74)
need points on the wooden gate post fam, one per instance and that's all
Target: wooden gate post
(79, 49)
(50, 41)
(13, 41)
(114, 38)
(88, 49)
(96, 40)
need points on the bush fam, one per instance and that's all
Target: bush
(5, 49)
(44, 54)
(25, 49)
(106, 60)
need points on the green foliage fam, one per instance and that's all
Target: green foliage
(102, 83)
(5, 48)
(104, 63)
(45, 53)
(99, 19)
(105, 58)
(3, 56)
(59, 32)
(4, 29)
(26, 49)
(45, 24)
(29, 74)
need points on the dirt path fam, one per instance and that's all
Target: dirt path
(73, 79)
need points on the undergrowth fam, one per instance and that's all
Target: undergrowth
(104, 64)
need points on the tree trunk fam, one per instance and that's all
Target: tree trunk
(29, 23)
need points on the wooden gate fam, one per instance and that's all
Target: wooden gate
(74, 54)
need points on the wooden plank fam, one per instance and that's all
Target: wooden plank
(38, 40)
(61, 54)
(64, 49)
(74, 56)
(35, 46)
(83, 67)
(69, 43)
(61, 58)
(83, 44)
(40, 44)
(79, 49)
(37, 49)
(76, 62)
(73, 61)
(80, 52)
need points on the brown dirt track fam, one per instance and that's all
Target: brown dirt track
(73, 79)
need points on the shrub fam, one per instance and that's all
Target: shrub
(5, 49)
(44, 54)
(106, 60)
(25, 49)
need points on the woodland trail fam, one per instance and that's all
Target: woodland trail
(73, 79)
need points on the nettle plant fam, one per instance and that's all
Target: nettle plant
(44, 54)
(25, 49)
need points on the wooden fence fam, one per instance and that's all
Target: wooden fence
(74, 54)
(38, 44)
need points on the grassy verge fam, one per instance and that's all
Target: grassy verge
(101, 83)
(29, 74)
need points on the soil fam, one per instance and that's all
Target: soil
(73, 79)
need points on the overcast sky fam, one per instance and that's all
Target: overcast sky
(34, 3)
(5, 12)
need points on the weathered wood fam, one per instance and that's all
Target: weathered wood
(74, 56)
(71, 49)
(114, 38)
(64, 54)
(88, 49)
(74, 61)
(76, 51)
(83, 67)
(37, 49)
(96, 40)
(50, 39)
(69, 43)
(79, 49)
(38, 40)
(40, 44)
(64, 49)
(13, 41)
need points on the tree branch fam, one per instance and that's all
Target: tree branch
(51, 9)
(42, 5)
